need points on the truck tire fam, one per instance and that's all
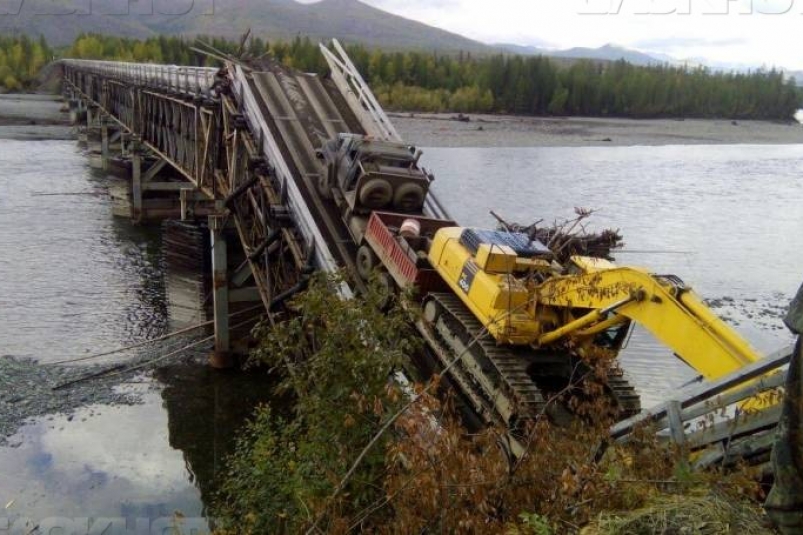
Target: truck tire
(366, 261)
(376, 193)
(409, 197)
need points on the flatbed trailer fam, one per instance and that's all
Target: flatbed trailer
(405, 257)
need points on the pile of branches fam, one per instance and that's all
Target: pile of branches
(569, 238)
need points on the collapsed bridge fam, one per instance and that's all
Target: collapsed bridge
(243, 145)
(251, 150)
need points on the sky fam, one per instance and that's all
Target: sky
(727, 32)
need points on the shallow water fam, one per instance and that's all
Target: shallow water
(74, 280)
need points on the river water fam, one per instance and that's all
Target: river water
(727, 219)
(74, 280)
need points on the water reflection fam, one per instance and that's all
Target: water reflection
(102, 461)
(205, 409)
(73, 281)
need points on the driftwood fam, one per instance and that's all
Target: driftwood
(569, 238)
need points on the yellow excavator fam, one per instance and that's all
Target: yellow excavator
(523, 324)
(514, 314)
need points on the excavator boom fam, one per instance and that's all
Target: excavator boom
(673, 313)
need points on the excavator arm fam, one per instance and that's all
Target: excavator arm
(673, 313)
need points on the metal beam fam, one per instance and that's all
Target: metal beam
(136, 179)
(221, 357)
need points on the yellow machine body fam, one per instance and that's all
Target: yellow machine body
(486, 285)
(516, 308)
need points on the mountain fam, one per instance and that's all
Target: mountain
(524, 50)
(610, 53)
(797, 76)
(604, 53)
(61, 20)
(347, 20)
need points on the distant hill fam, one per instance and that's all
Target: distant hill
(610, 53)
(524, 50)
(60, 21)
(604, 53)
(797, 76)
(347, 20)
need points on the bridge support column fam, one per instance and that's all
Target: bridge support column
(76, 111)
(221, 357)
(85, 116)
(104, 143)
(136, 179)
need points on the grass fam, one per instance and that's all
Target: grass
(669, 514)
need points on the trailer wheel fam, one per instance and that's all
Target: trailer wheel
(366, 261)
(376, 193)
(409, 197)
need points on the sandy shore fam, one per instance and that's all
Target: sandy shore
(442, 130)
(33, 116)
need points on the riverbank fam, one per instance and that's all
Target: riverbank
(445, 130)
(33, 116)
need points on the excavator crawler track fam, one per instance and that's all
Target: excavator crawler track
(497, 374)
(624, 393)
(498, 379)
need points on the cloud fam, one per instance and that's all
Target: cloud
(759, 32)
(117, 462)
(666, 44)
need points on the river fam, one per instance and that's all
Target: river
(727, 219)
(74, 280)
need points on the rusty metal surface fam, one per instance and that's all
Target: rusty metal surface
(215, 129)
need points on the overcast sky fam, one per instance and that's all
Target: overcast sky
(755, 32)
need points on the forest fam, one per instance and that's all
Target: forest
(433, 82)
(21, 59)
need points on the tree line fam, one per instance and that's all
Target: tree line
(21, 59)
(420, 81)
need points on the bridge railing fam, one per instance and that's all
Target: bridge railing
(708, 417)
(173, 78)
